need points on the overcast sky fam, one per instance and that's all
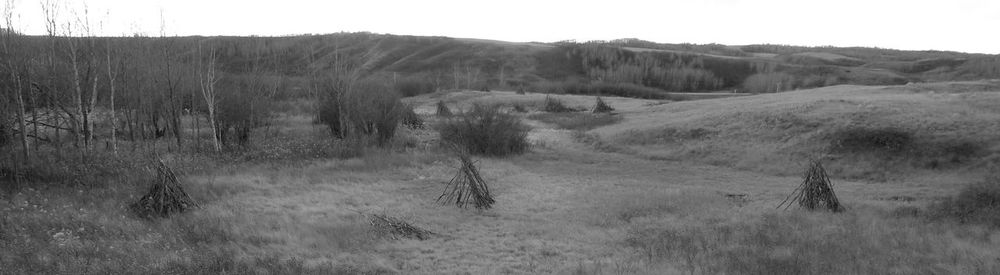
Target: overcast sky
(957, 25)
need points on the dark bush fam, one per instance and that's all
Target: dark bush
(413, 86)
(411, 119)
(553, 105)
(865, 139)
(518, 107)
(486, 130)
(369, 108)
(978, 203)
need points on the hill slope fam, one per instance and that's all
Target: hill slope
(475, 63)
(865, 131)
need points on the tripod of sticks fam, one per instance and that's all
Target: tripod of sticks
(816, 191)
(467, 187)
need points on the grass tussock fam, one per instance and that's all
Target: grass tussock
(486, 130)
(576, 121)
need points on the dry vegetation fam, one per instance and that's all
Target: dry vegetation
(305, 158)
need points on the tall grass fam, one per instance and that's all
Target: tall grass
(486, 130)
(978, 203)
(811, 243)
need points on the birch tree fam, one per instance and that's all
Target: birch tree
(207, 79)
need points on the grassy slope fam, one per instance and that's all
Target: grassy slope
(562, 208)
(775, 133)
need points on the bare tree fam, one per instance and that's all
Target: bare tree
(207, 80)
(16, 66)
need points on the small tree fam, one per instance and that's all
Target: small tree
(208, 79)
(366, 108)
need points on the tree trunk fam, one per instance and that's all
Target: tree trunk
(114, 115)
(20, 117)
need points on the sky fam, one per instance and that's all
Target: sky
(954, 25)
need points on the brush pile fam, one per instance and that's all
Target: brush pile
(467, 187)
(602, 107)
(396, 228)
(442, 110)
(165, 197)
(815, 192)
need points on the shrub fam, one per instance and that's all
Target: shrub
(553, 105)
(978, 203)
(411, 119)
(518, 107)
(863, 139)
(486, 131)
(244, 104)
(413, 86)
(367, 108)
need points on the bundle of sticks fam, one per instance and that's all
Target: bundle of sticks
(165, 197)
(815, 192)
(467, 187)
(396, 228)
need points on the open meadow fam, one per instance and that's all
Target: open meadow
(654, 187)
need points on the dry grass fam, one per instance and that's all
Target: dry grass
(576, 121)
(913, 129)
(566, 208)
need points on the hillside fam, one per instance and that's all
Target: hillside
(671, 67)
(867, 132)
(448, 63)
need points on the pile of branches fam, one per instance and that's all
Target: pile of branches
(602, 107)
(442, 110)
(165, 197)
(815, 192)
(467, 187)
(396, 228)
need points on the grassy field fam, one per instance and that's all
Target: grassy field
(656, 187)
